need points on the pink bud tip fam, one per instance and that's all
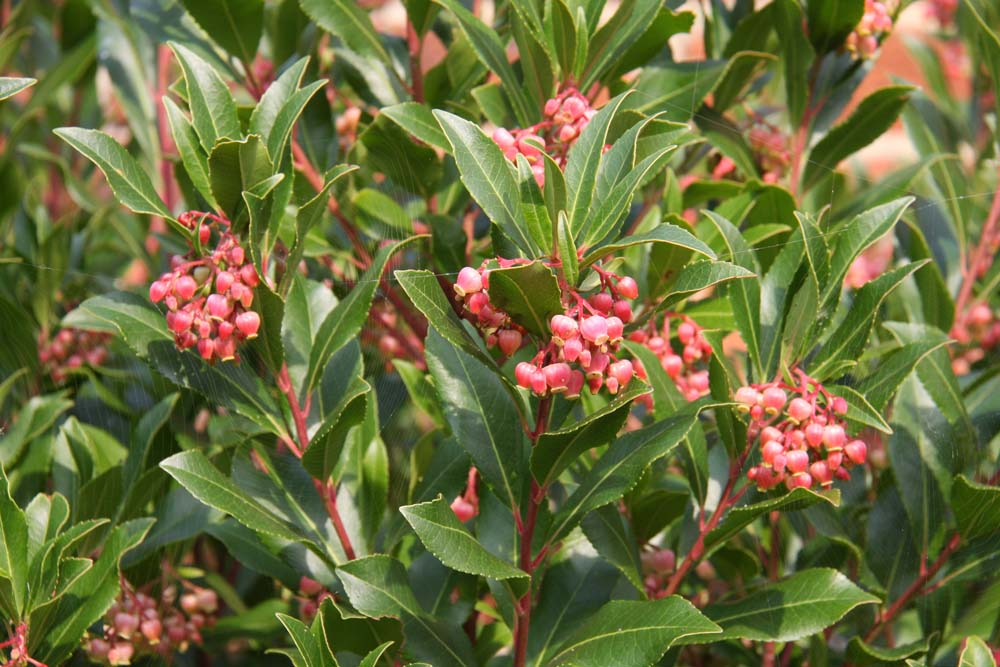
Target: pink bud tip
(575, 384)
(595, 329)
(747, 396)
(857, 451)
(800, 409)
(510, 341)
(814, 435)
(248, 322)
(522, 373)
(797, 460)
(603, 302)
(185, 287)
(224, 281)
(628, 288)
(839, 405)
(503, 138)
(206, 348)
(469, 281)
(686, 332)
(463, 509)
(218, 306)
(310, 587)
(572, 349)
(621, 371)
(157, 291)
(616, 329)
(557, 377)
(563, 327)
(834, 436)
(673, 365)
(774, 398)
(623, 311)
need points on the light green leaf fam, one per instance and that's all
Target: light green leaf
(213, 110)
(10, 86)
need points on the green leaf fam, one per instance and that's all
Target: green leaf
(862, 654)
(893, 368)
(613, 40)
(131, 185)
(10, 86)
(235, 167)
(988, 42)
(482, 416)
(701, 275)
(36, 417)
(803, 604)
(235, 26)
(583, 161)
(197, 474)
(870, 119)
(567, 251)
(143, 438)
(377, 586)
(609, 533)
(344, 321)
(213, 110)
(797, 56)
(620, 467)
(848, 341)
(634, 634)
(86, 599)
(488, 176)
(419, 121)
(491, 52)
(279, 133)
(855, 236)
(349, 22)
(529, 293)
(677, 89)
(536, 215)
(426, 294)
(859, 410)
(976, 508)
(192, 156)
(557, 450)
(275, 98)
(248, 548)
(976, 653)
(739, 518)
(371, 660)
(13, 545)
(606, 217)
(142, 327)
(444, 536)
(831, 21)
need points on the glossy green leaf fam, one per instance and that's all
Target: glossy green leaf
(213, 110)
(801, 605)
(344, 321)
(797, 56)
(830, 22)
(192, 156)
(197, 474)
(419, 121)
(557, 450)
(529, 293)
(13, 545)
(611, 42)
(482, 415)
(235, 26)
(131, 185)
(10, 86)
(975, 653)
(349, 22)
(873, 116)
(861, 653)
(620, 466)
(444, 536)
(739, 518)
(976, 508)
(612, 537)
(235, 167)
(634, 634)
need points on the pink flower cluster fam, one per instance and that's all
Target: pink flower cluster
(875, 23)
(977, 332)
(70, 349)
(686, 369)
(943, 11)
(586, 334)
(208, 297)
(17, 649)
(565, 117)
(804, 440)
(139, 624)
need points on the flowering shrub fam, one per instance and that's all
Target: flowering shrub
(497, 334)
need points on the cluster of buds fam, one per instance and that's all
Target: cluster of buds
(70, 349)
(875, 23)
(466, 506)
(311, 595)
(770, 146)
(384, 332)
(686, 369)
(804, 440)
(977, 331)
(657, 566)
(472, 288)
(565, 117)
(208, 297)
(139, 624)
(587, 335)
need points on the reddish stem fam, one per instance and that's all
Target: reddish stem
(416, 47)
(326, 490)
(166, 144)
(979, 256)
(915, 588)
(527, 533)
(726, 501)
